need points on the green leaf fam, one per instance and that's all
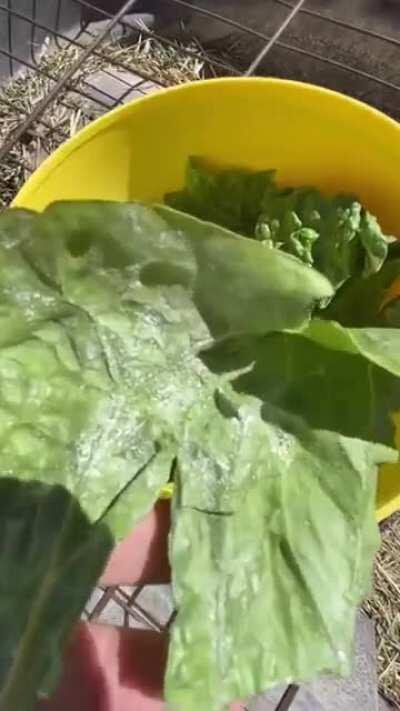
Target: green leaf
(369, 302)
(333, 234)
(292, 458)
(51, 557)
(378, 345)
(111, 388)
(268, 514)
(105, 307)
(375, 244)
(237, 284)
(232, 199)
(290, 219)
(241, 286)
(311, 374)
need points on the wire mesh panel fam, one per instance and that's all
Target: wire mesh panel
(65, 62)
(71, 60)
(24, 38)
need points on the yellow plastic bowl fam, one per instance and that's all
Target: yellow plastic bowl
(310, 135)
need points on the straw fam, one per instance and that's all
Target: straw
(384, 608)
(71, 111)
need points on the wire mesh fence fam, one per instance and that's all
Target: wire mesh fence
(65, 62)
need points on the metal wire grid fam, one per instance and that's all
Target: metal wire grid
(91, 46)
(69, 91)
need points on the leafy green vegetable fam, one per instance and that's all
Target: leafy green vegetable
(262, 535)
(51, 556)
(380, 347)
(335, 235)
(308, 375)
(270, 556)
(242, 287)
(137, 341)
(232, 199)
(369, 302)
(104, 309)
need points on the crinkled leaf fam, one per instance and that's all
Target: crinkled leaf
(268, 514)
(252, 519)
(65, 419)
(104, 308)
(105, 391)
(232, 199)
(335, 235)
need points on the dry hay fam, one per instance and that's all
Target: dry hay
(149, 58)
(384, 608)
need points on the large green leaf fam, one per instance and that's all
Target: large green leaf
(313, 381)
(103, 309)
(273, 536)
(283, 507)
(105, 384)
(235, 283)
(77, 400)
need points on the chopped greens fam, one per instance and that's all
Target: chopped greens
(139, 343)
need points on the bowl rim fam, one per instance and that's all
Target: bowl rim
(89, 132)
